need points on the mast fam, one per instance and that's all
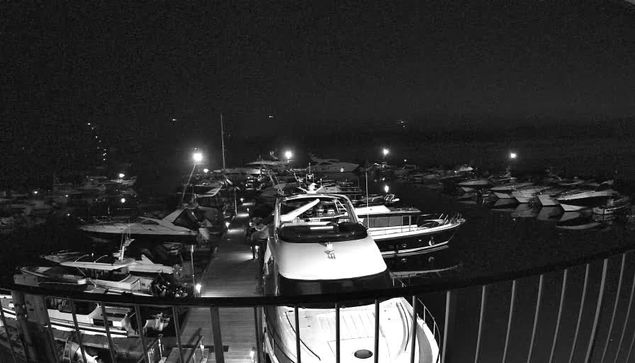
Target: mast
(222, 139)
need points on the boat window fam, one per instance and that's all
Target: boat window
(312, 233)
(187, 219)
(395, 221)
(406, 220)
(64, 306)
(148, 221)
(293, 287)
(378, 222)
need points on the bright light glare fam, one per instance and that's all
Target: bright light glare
(121, 175)
(288, 154)
(386, 188)
(385, 151)
(198, 157)
(35, 192)
(122, 200)
(198, 288)
(242, 200)
(341, 170)
(513, 155)
(227, 224)
(206, 170)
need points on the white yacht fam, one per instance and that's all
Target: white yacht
(406, 231)
(524, 195)
(579, 199)
(319, 247)
(182, 225)
(549, 197)
(331, 166)
(504, 191)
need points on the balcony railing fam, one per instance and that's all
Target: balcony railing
(574, 311)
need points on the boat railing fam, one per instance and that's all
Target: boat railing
(421, 309)
(580, 309)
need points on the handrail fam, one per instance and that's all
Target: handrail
(440, 286)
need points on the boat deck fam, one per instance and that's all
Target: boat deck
(231, 272)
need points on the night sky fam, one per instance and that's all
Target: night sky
(132, 69)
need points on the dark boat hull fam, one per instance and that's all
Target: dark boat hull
(159, 238)
(396, 245)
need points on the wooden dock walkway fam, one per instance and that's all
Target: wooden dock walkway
(231, 272)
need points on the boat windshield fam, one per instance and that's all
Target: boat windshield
(293, 287)
(187, 219)
(318, 209)
(319, 232)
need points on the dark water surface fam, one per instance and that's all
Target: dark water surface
(493, 242)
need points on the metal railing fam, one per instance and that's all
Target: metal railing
(535, 328)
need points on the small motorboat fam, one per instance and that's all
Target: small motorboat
(613, 205)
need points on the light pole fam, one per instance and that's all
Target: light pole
(512, 157)
(288, 155)
(197, 157)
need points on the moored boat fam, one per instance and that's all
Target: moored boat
(313, 252)
(613, 205)
(406, 231)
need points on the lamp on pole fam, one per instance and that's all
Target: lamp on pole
(288, 155)
(197, 157)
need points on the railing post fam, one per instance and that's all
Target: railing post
(510, 317)
(577, 327)
(77, 331)
(6, 329)
(480, 321)
(113, 358)
(559, 318)
(626, 318)
(258, 318)
(337, 333)
(598, 309)
(219, 353)
(177, 332)
(536, 314)
(24, 329)
(376, 349)
(296, 314)
(413, 328)
(448, 321)
(140, 325)
(617, 300)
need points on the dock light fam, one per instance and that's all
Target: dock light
(405, 161)
(206, 170)
(288, 155)
(242, 199)
(122, 200)
(121, 175)
(385, 152)
(341, 170)
(198, 287)
(198, 157)
(35, 192)
(227, 224)
(386, 188)
(513, 155)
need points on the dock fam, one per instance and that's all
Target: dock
(232, 271)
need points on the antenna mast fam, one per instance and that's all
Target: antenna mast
(222, 139)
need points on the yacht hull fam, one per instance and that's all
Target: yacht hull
(411, 243)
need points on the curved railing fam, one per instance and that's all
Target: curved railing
(455, 329)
